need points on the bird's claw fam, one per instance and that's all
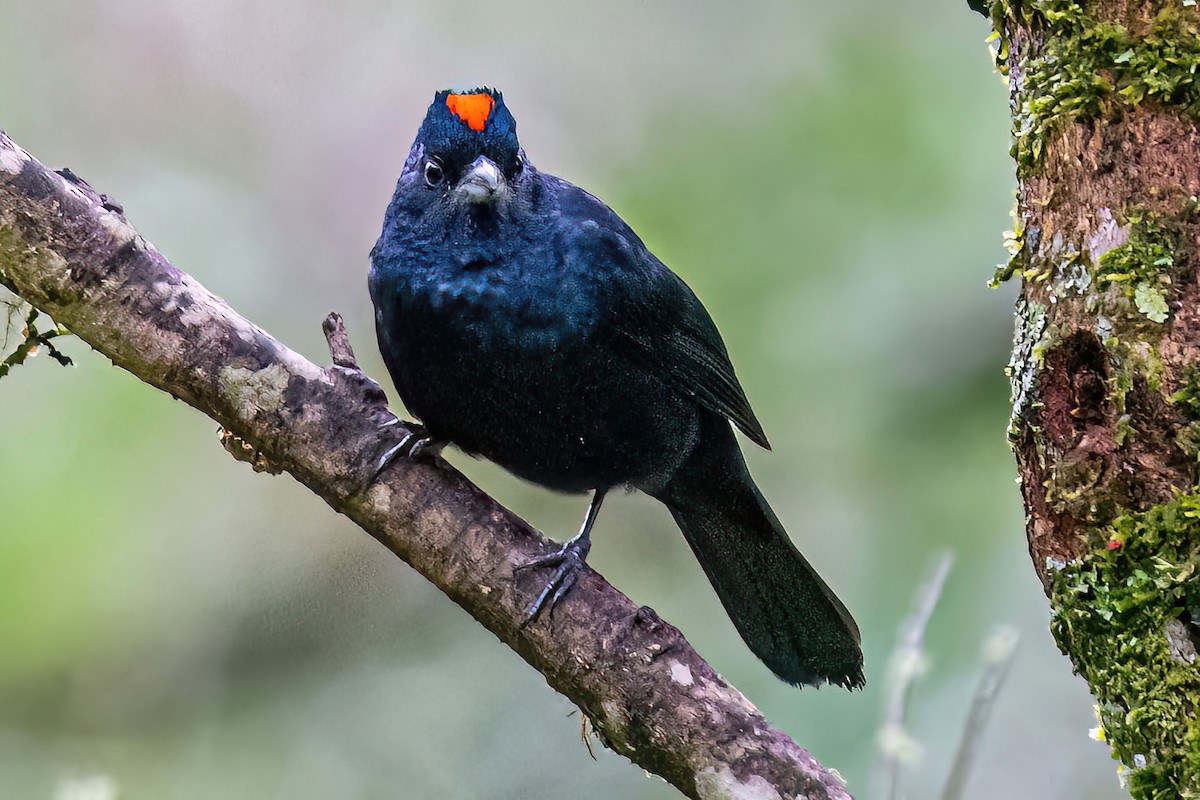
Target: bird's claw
(568, 561)
(415, 443)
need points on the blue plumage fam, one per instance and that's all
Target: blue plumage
(525, 322)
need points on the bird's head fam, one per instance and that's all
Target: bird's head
(466, 149)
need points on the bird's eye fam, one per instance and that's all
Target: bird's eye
(433, 173)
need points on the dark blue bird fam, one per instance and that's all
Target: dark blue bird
(523, 321)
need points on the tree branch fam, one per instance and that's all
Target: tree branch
(649, 696)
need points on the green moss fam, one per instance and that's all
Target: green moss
(1187, 397)
(1141, 269)
(1124, 369)
(1187, 439)
(1086, 68)
(1187, 401)
(1142, 266)
(1017, 245)
(1114, 611)
(1128, 362)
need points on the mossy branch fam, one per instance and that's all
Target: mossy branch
(648, 695)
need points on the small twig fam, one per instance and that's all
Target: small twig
(997, 652)
(339, 343)
(51, 350)
(895, 744)
(33, 339)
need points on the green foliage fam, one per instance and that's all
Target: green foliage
(1086, 68)
(1116, 611)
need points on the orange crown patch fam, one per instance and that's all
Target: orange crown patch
(473, 109)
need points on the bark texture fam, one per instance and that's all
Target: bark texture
(1106, 361)
(648, 695)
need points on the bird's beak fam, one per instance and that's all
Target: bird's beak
(481, 181)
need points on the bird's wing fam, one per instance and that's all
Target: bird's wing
(648, 315)
(660, 324)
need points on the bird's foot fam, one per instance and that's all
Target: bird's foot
(415, 443)
(568, 562)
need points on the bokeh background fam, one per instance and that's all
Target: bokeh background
(831, 178)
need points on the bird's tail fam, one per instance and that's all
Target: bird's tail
(779, 604)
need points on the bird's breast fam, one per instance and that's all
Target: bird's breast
(492, 305)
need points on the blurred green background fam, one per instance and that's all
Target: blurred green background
(833, 181)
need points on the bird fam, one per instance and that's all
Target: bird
(523, 321)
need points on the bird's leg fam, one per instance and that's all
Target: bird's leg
(568, 561)
(415, 443)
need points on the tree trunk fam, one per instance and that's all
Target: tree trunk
(1106, 361)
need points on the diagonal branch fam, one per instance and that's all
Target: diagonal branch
(650, 697)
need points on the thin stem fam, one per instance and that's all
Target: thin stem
(998, 651)
(896, 746)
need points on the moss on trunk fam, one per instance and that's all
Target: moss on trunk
(1105, 99)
